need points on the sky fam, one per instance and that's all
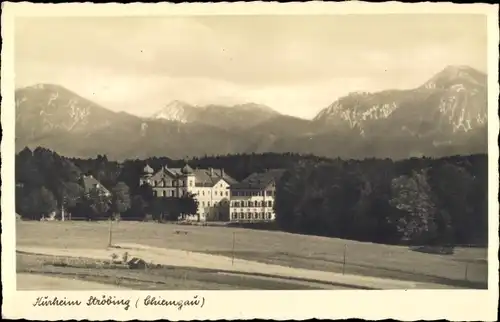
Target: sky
(296, 65)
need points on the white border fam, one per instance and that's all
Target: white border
(280, 305)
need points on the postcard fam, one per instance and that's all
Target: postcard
(281, 161)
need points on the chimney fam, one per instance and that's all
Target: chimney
(211, 171)
(222, 172)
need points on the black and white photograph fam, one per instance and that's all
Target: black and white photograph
(214, 152)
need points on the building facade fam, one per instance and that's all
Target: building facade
(210, 188)
(252, 200)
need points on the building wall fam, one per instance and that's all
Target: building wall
(213, 202)
(252, 205)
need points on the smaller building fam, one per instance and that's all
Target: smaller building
(89, 183)
(252, 200)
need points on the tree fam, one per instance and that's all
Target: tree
(452, 186)
(70, 193)
(138, 207)
(120, 200)
(98, 202)
(146, 192)
(188, 205)
(171, 208)
(411, 195)
(38, 203)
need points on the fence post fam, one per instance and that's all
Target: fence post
(110, 237)
(343, 265)
(232, 260)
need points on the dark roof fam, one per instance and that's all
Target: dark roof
(148, 169)
(207, 178)
(203, 177)
(260, 180)
(187, 169)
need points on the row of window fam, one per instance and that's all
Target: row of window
(171, 193)
(165, 193)
(163, 183)
(217, 193)
(169, 184)
(208, 203)
(252, 215)
(268, 203)
(269, 193)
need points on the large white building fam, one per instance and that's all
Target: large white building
(210, 187)
(252, 200)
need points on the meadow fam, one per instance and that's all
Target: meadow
(467, 267)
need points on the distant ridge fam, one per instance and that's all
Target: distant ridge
(445, 115)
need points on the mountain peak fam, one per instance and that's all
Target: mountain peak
(175, 111)
(456, 75)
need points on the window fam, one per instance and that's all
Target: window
(249, 215)
(208, 203)
(250, 204)
(235, 216)
(203, 203)
(164, 193)
(190, 183)
(227, 193)
(256, 215)
(269, 203)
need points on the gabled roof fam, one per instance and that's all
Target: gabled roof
(203, 177)
(89, 183)
(260, 180)
(207, 178)
(166, 173)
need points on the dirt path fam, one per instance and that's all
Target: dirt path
(27, 282)
(181, 258)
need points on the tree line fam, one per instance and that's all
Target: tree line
(417, 200)
(47, 183)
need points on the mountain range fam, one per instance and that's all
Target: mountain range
(446, 115)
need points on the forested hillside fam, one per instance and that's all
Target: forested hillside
(419, 200)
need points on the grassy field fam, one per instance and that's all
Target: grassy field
(465, 268)
(161, 278)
